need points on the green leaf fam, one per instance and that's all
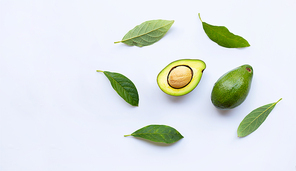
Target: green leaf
(223, 37)
(254, 119)
(123, 86)
(147, 33)
(158, 133)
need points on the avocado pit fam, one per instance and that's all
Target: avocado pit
(180, 76)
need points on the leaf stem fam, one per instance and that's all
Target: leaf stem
(199, 17)
(278, 100)
(100, 71)
(117, 42)
(127, 135)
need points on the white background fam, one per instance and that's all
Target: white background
(58, 114)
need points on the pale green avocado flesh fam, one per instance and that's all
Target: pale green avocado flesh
(232, 88)
(171, 81)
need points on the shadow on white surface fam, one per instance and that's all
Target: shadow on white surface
(154, 143)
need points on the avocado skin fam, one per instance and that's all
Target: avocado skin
(232, 88)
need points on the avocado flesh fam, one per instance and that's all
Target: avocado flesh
(232, 88)
(196, 68)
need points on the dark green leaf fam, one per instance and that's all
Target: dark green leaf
(223, 37)
(147, 33)
(254, 119)
(123, 86)
(158, 133)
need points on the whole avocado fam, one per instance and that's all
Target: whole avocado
(232, 88)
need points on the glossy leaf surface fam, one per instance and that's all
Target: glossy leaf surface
(223, 37)
(158, 133)
(254, 119)
(123, 86)
(147, 33)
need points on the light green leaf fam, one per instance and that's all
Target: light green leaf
(254, 119)
(158, 133)
(147, 33)
(123, 86)
(223, 37)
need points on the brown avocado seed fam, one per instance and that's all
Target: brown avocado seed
(180, 76)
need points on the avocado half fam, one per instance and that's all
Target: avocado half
(181, 77)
